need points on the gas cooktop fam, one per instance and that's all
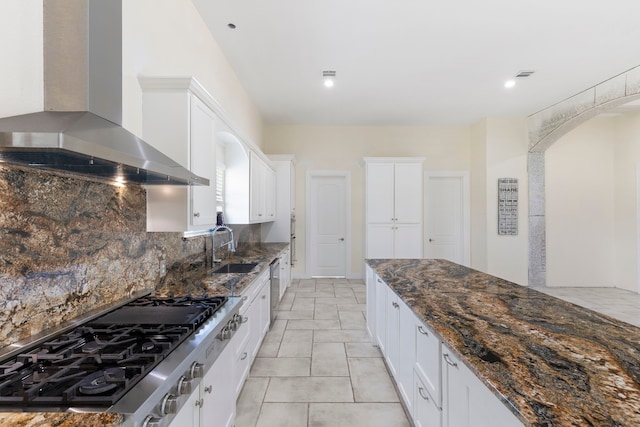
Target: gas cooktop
(98, 362)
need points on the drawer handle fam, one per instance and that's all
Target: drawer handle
(422, 331)
(421, 391)
(264, 297)
(244, 298)
(196, 214)
(199, 403)
(379, 281)
(245, 319)
(208, 389)
(449, 361)
(244, 356)
(395, 304)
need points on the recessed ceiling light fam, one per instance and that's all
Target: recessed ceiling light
(509, 84)
(328, 78)
(231, 25)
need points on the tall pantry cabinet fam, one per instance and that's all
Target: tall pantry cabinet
(393, 210)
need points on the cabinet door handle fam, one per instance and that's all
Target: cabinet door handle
(449, 361)
(379, 281)
(395, 304)
(199, 403)
(422, 331)
(244, 298)
(244, 356)
(196, 214)
(421, 391)
(208, 389)
(264, 297)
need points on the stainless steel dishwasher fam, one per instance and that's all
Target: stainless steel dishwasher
(275, 287)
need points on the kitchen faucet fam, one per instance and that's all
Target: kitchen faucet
(231, 243)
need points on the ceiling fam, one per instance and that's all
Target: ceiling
(419, 62)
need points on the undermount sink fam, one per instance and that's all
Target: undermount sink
(236, 268)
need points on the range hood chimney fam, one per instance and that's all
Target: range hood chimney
(81, 130)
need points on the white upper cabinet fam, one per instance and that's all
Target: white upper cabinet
(178, 119)
(393, 212)
(250, 184)
(262, 190)
(280, 229)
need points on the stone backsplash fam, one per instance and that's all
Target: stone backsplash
(69, 245)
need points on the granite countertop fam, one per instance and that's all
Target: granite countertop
(556, 363)
(198, 280)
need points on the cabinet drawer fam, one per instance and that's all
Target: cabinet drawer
(426, 412)
(428, 360)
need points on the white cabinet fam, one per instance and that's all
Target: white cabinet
(189, 414)
(213, 403)
(247, 339)
(370, 281)
(218, 407)
(436, 387)
(428, 360)
(467, 402)
(285, 273)
(381, 314)
(178, 119)
(425, 411)
(262, 206)
(393, 210)
(280, 229)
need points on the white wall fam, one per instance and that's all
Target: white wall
(342, 148)
(626, 169)
(579, 195)
(478, 195)
(21, 57)
(169, 38)
(506, 157)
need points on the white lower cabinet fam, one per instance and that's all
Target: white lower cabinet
(213, 403)
(426, 412)
(437, 389)
(467, 402)
(218, 407)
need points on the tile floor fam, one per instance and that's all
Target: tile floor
(618, 303)
(317, 367)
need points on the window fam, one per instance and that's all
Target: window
(220, 174)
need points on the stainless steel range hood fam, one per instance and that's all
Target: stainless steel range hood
(80, 130)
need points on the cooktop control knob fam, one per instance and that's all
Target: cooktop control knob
(151, 421)
(185, 385)
(169, 404)
(196, 370)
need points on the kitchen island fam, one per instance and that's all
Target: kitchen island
(552, 363)
(196, 280)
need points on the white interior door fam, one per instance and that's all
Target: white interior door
(327, 224)
(447, 217)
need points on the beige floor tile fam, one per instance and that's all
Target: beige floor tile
(351, 319)
(362, 349)
(281, 367)
(303, 304)
(344, 293)
(250, 401)
(276, 331)
(326, 311)
(313, 324)
(347, 335)
(352, 307)
(309, 389)
(371, 381)
(357, 415)
(361, 297)
(338, 301)
(329, 360)
(297, 315)
(283, 415)
(269, 349)
(296, 343)
(317, 294)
